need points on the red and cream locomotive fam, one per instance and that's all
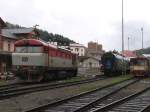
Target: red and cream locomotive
(140, 66)
(35, 60)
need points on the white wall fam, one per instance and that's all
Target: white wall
(80, 50)
(5, 45)
(94, 63)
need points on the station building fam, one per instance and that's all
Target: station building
(8, 37)
(95, 50)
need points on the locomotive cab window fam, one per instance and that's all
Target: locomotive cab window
(139, 62)
(31, 49)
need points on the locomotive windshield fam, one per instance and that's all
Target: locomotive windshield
(139, 62)
(29, 49)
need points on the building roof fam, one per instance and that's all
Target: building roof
(127, 53)
(83, 58)
(2, 22)
(95, 52)
(146, 55)
(20, 30)
(11, 32)
(8, 34)
(76, 45)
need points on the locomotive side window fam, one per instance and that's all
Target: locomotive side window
(29, 49)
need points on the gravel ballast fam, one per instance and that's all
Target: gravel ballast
(29, 101)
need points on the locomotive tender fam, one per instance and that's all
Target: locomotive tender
(114, 64)
(35, 60)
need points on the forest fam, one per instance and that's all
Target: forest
(46, 36)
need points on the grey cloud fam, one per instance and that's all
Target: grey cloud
(81, 26)
(133, 30)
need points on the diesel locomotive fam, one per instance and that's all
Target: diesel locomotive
(114, 64)
(140, 66)
(35, 60)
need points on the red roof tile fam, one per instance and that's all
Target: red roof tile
(127, 53)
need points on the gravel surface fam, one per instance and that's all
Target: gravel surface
(131, 89)
(28, 101)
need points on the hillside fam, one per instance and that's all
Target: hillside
(46, 36)
(143, 51)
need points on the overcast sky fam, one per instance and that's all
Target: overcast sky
(84, 20)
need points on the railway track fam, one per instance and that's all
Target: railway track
(137, 102)
(146, 109)
(104, 103)
(10, 86)
(20, 84)
(19, 89)
(79, 102)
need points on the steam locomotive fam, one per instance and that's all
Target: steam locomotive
(35, 60)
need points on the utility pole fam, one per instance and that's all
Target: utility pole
(122, 30)
(122, 39)
(128, 43)
(142, 36)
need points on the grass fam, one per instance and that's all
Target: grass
(79, 78)
(3, 82)
(103, 83)
(121, 77)
(73, 79)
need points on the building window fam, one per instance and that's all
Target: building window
(8, 45)
(77, 49)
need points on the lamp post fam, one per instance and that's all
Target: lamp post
(122, 39)
(142, 36)
(122, 29)
(128, 43)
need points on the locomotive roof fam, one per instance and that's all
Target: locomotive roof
(33, 42)
(146, 55)
(36, 42)
(118, 56)
(121, 57)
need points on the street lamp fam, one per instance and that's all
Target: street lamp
(122, 29)
(122, 39)
(128, 43)
(142, 36)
